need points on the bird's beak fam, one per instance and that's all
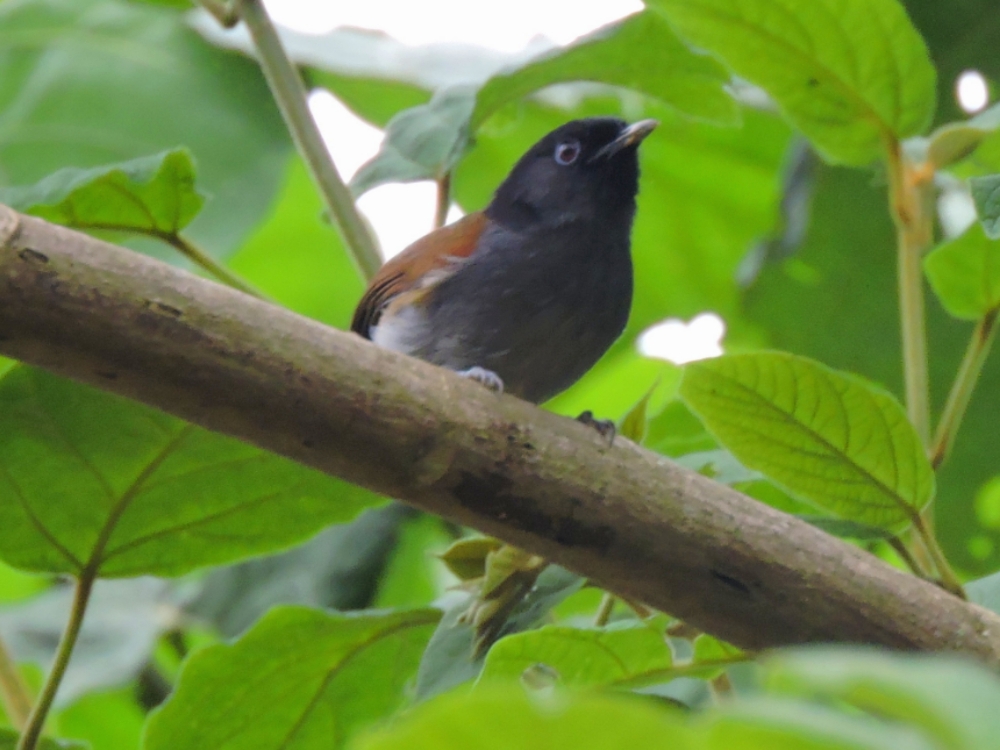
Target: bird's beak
(630, 136)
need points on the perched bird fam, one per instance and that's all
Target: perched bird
(526, 295)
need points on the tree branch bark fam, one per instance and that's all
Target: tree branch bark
(632, 520)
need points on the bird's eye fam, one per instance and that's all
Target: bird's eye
(567, 152)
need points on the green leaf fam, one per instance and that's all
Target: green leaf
(8, 741)
(466, 558)
(450, 656)
(90, 478)
(952, 700)
(773, 723)
(375, 100)
(124, 80)
(640, 52)
(676, 432)
(111, 720)
(311, 274)
(633, 424)
(827, 436)
(965, 273)
(300, 678)
(501, 717)
(411, 575)
(581, 657)
(422, 143)
(955, 141)
(339, 568)
(986, 194)
(154, 195)
(844, 528)
(848, 73)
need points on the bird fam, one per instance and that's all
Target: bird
(526, 295)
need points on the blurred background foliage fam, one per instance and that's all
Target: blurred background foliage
(94, 82)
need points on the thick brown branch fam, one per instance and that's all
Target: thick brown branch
(638, 524)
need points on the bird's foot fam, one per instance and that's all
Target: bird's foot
(605, 427)
(484, 377)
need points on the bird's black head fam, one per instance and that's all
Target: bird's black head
(582, 170)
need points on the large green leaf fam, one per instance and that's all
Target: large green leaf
(965, 273)
(955, 141)
(503, 717)
(848, 73)
(836, 300)
(154, 195)
(8, 741)
(298, 679)
(421, 143)
(772, 723)
(640, 52)
(581, 658)
(97, 82)
(90, 479)
(953, 701)
(828, 437)
(451, 657)
(340, 568)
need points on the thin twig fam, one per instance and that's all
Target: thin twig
(36, 721)
(14, 692)
(224, 11)
(949, 581)
(904, 554)
(604, 611)
(658, 676)
(909, 201)
(205, 261)
(290, 95)
(443, 200)
(961, 390)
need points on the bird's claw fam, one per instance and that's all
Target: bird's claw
(605, 427)
(484, 377)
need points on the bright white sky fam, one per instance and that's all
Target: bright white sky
(403, 213)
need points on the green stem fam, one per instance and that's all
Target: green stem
(965, 383)
(36, 721)
(904, 554)
(657, 676)
(290, 95)
(205, 261)
(911, 204)
(14, 692)
(604, 611)
(948, 578)
(224, 12)
(443, 200)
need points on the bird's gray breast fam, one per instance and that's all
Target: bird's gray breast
(539, 311)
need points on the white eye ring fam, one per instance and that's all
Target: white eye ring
(567, 152)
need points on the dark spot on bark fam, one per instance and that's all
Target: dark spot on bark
(528, 446)
(731, 582)
(164, 308)
(108, 375)
(308, 443)
(491, 496)
(33, 256)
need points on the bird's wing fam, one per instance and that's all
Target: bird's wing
(421, 266)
